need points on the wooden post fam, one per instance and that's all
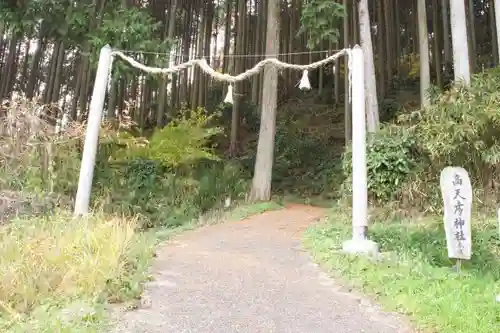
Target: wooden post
(359, 242)
(92, 135)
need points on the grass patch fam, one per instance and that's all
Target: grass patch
(242, 212)
(414, 275)
(57, 273)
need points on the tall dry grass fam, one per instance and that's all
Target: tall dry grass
(40, 153)
(61, 257)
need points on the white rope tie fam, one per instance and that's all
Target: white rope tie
(304, 83)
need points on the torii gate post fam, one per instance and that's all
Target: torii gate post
(82, 199)
(359, 244)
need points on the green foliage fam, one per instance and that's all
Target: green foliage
(320, 19)
(304, 164)
(131, 28)
(166, 180)
(460, 128)
(161, 197)
(85, 28)
(185, 140)
(388, 109)
(390, 160)
(170, 178)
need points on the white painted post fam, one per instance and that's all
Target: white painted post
(92, 135)
(359, 243)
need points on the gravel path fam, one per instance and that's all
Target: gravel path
(250, 277)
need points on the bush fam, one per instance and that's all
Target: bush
(50, 262)
(184, 141)
(391, 158)
(461, 128)
(170, 178)
(165, 179)
(389, 109)
(159, 196)
(303, 162)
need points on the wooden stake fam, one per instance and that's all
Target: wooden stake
(459, 265)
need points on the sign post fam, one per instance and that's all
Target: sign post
(456, 190)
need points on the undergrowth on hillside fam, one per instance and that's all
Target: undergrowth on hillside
(171, 176)
(308, 146)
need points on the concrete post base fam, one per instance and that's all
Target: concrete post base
(360, 246)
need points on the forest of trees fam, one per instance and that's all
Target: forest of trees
(49, 49)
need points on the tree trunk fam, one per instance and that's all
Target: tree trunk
(423, 35)
(162, 98)
(261, 184)
(388, 45)
(437, 45)
(494, 28)
(238, 68)
(472, 33)
(381, 50)
(370, 82)
(446, 32)
(497, 24)
(459, 42)
(8, 77)
(35, 63)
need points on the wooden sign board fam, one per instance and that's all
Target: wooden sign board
(457, 197)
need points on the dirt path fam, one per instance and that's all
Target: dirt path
(250, 277)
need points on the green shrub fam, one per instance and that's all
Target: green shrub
(165, 179)
(303, 162)
(391, 158)
(388, 109)
(170, 178)
(163, 197)
(184, 141)
(461, 128)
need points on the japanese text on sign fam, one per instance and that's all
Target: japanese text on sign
(457, 198)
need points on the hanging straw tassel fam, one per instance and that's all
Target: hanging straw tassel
(304, 82)
(229, 95)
